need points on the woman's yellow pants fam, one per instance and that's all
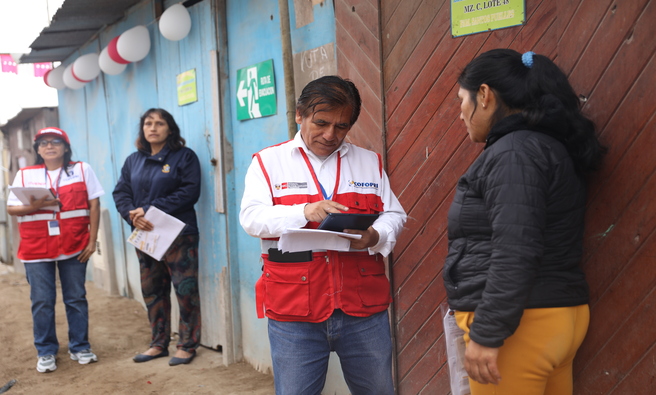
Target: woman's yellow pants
(537, 358)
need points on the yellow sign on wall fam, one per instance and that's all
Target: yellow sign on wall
(475, 16)
(187, 92)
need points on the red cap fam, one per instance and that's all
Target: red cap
(52, 132)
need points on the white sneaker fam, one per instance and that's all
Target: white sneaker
(84, 357)
(46, 364)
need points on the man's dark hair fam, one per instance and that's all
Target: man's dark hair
(174, 141)
(331, 91)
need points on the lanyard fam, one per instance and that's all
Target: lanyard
(54, 191)
(314, 176)
(323, 192)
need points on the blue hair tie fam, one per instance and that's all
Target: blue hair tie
(527, 59)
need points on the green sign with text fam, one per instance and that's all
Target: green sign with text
(475, 16)
(256, 91)
(187, 92)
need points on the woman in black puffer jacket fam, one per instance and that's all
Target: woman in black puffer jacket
(516, 225)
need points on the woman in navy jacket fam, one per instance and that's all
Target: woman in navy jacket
(165, 174)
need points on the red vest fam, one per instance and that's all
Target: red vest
(354, 282)
(36, 243)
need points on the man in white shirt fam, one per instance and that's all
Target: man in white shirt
(318, 300)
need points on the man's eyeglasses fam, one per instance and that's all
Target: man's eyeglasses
(54, 142)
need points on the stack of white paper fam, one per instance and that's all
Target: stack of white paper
(294, 240)
(156, 242)
(25, 193)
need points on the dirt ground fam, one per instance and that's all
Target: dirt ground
(118, 330)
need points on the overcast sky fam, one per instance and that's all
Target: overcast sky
(21, 21)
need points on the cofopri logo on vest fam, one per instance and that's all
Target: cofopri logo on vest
(363, 185)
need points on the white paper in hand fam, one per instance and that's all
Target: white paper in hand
(294, 240)
(156, 242)
(24, 194)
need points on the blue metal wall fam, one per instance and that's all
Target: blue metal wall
(253, 37)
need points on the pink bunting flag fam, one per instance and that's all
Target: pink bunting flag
(40, 69)
(8, 64)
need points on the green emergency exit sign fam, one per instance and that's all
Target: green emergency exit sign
(256, 91)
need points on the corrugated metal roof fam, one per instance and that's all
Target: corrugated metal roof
(74, 24)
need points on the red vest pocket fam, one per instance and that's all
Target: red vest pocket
(287, 289)
(74, 234)
(374, 288)
(34, 240)
(361, 203)
(74, 196)
(367, 289)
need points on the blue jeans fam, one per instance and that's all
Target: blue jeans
(300, 352)
(43, 293)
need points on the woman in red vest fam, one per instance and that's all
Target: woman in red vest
(57, 232)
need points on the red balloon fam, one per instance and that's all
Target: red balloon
(113, 52)
(45, 77)
(76, 77)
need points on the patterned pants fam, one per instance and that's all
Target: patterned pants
(180, 267)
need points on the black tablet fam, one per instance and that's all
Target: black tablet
(340, 221)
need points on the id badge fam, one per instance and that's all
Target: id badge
(53, 228)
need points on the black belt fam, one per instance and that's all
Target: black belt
(275, 255)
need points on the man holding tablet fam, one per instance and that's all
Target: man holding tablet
(319, 301)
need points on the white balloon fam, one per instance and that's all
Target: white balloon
(86, 67)
(134, 44)
(108, 66)
(175, 22)
(69, 80)
(55, 78)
